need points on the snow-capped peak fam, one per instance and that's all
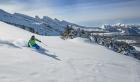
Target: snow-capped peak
(42, 26)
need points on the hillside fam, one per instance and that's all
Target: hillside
(63, 61)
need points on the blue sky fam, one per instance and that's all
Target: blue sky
(83, 12)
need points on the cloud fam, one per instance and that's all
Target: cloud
(106, 12)
(78, 11)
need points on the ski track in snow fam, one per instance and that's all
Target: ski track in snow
(80, 61)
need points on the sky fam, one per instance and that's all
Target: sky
(83, 12)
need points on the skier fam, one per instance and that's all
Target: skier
(32, 42)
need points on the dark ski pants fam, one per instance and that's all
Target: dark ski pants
(36, 46)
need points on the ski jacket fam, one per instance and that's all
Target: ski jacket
(32, 42)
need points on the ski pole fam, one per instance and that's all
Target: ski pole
(44, 43)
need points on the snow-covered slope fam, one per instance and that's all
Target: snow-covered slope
(63, 61)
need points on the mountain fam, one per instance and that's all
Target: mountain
(44, 26)
(123, 28)
(51, 27)
(72, 60)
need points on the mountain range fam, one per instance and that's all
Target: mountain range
(53, 27)
(122, 29)
(41, 26)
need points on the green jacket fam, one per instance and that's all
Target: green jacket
(31, 42)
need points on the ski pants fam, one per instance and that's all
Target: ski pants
(36, 46)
